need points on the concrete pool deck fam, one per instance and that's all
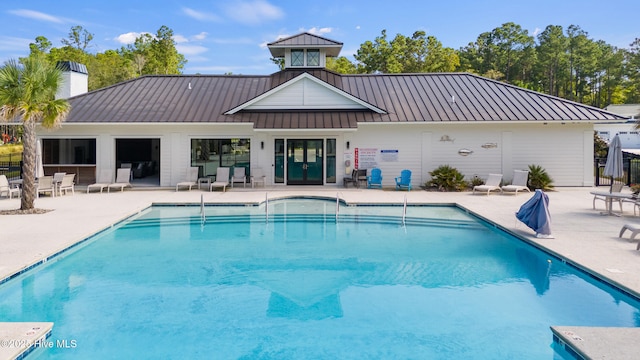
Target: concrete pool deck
(583, 236)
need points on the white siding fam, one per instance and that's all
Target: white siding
(305, 93)
(565, 151)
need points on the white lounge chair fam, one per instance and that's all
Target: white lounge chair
(191, 180)
(634, 229)
(239, 175)
(122, 180)
(519, 183)
(6, 189)
(492, 184)
(46, 185)
(57, 179)
(67, 184)
(615, 188)
(222, 179)
(258, 177)
(103, 180)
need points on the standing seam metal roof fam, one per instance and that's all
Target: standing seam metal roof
(429, 97)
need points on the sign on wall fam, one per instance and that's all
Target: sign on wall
(389, 155)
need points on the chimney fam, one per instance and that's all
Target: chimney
(75, 79)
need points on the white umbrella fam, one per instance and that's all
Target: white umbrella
(39, 167)
(614, 168)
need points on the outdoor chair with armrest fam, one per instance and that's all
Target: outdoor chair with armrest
(615, 188)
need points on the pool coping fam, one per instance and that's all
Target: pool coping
(584, 342)
(19, 339)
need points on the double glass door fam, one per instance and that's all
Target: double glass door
(305, 162)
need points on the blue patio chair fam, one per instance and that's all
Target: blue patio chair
(375, 179)
(404, 180)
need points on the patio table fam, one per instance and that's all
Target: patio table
(610, 196)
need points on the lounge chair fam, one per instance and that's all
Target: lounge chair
(191, 180)
(46, 185)
(222, 179)
(404, 180)
(375, 179)
(67, 184)
(57, 179)
(520, 178)
(122, 179)
(239, 175)
(104, 179)
(634, 229)
(492, 184)
(615, 188)
(258, 177)
(5, 188)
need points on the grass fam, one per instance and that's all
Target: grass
(10, 152)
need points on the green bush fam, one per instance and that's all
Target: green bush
(539, 179)
(476, 181)
(446, 178)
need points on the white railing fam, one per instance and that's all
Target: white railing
(404, 209)
(203, 217)
(337, 206)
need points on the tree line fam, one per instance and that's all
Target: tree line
(148, 55)
(560, 62)
(557, 61)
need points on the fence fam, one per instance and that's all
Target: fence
(631, 172)
(12, 169)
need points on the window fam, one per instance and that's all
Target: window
(69, 151)
(313, 57)
(209, 154)
(297, 57)
(331, 161)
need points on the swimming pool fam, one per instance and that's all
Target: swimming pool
(300, 284)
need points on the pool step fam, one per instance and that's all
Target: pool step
(329, 218)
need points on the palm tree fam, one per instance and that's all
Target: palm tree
(27, 94)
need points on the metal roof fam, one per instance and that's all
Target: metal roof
(428, 97)
(304, 41)
(72, 66)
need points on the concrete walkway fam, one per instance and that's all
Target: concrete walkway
(583, 236)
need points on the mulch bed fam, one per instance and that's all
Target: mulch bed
(24, 212)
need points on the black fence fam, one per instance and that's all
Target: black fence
(11, 169)
(631, 175)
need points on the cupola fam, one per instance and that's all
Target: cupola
(304, 50)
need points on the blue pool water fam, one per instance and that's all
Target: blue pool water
(444, 285)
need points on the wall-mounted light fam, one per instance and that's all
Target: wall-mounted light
(262, 145)
(348, 145)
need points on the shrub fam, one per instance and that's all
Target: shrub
(446, 178)
(539, 179)
(476, 181)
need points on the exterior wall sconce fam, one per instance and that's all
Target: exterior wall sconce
(262, 145)
(348, 145)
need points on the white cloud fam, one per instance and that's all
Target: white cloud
(190, 49)
(253, 12)
(180, 39)
(536, 31)
(36, 15)
(14, 43)
(318, 31)
(201, 36)
(200, 15)
(128, 38)
(357, 27)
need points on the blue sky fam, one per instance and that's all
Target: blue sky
(230, 35)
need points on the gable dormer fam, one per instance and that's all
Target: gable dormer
(304, 50)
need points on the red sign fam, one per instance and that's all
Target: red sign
(356, 158)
